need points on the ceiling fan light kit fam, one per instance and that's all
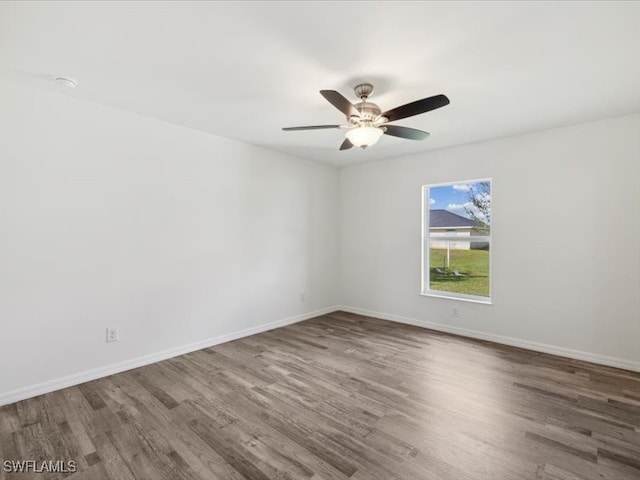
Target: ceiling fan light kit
(367, 123)
(364, 136)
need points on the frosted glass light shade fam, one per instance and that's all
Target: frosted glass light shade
(364, 136)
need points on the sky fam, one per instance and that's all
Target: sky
(453, 197)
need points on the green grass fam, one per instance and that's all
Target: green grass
(474, 264)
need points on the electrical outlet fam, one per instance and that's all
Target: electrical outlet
(303, 297)
(112, 335)
(455, 312)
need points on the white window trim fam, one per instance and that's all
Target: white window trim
(424, 257)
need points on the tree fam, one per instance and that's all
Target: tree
(479, 210)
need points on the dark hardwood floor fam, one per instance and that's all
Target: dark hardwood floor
(336, 397)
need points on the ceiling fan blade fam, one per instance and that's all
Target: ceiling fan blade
(416, 108)
(310, 127)
(346, 145)
(405, 132)
(340, 102)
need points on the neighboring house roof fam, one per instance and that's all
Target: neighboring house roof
(447, 219)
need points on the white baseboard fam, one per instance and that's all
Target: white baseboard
(86, 376)
(514, 342)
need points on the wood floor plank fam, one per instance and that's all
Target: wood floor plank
(341, 396)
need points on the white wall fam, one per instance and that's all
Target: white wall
(171, 235)
(566, 246)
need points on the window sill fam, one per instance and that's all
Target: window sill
(451, 296)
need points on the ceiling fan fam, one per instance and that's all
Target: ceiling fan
(367, 123)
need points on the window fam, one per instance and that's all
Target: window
(456, 240)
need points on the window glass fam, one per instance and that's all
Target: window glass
(457, 240)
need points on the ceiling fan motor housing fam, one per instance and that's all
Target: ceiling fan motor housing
(368, 111)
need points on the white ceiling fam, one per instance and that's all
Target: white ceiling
(244, 70)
